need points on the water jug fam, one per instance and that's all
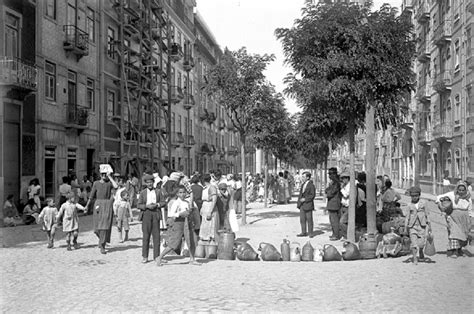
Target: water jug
(307, 252)
(318, 255)
(285, 250)
(331, 253)
(211, 250)
(269, 252)
(368, 245)
(350, 251)
(200, 250)
(295, 252)
(246, 253)
(225, 246)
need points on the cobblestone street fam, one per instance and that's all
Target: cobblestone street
(37, 279)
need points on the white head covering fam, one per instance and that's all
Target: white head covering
(157, 179)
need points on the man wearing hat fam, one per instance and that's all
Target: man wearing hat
(306, 205)
(333, 206)
(345, 192)
(150, 202)
(222, 203)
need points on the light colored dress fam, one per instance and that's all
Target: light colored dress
(458, 222)
(33, 192)
(48, 215)
(208, 228)
(68, 212)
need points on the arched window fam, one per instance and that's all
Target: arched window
(448, 167)
(457, 163)
(457, 109)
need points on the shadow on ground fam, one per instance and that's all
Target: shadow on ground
(272, 215)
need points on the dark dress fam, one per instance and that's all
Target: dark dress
(103, 210)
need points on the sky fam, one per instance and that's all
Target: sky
(252, 23)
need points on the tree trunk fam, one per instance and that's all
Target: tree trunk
(352, 193)
(265, 181)
(244, 181)
(370, 167)
(325, 174)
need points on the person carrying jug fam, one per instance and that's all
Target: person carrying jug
(417, 224)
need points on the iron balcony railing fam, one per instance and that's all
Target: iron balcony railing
(76, 40)
(76, 115)
(18, 73)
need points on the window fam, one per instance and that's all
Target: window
(50, 8)
(12, 31)
(447, 169)
(72, 87)
(173, 122)
(90, 27)
(457, 163)
(71, 12)
(456, 55)
(179, 79)
(190, 127)
(110, 104)
(179, 123)
(50, 81)
(111, 43)
(90, 94)
(457, 109)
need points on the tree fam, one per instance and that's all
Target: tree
(239, 84)
(347, 61)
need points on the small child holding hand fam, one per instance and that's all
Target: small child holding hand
(123, 214)
(48, 216)
(70, 220)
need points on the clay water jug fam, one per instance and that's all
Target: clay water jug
(269, 252)
(350, 251)
(368, 245)
(295, 252)
(246, 253)
(200, 250)
(331, 253)
(225, 246)
(307, 252)
(285, 250)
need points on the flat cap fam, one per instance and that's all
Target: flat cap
(148, 177)
(414, 190)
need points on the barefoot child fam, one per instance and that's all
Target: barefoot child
(178, 212)
(48, 216)
(417, 224)
(70, 220)
(123, 214)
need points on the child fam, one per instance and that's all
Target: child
(261, 191)
(70, 220)
(178, 212)
(123, 213)
(417, 224)
(48, 215)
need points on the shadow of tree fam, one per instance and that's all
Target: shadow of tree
(272, 215)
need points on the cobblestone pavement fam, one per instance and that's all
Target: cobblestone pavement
(34, 278)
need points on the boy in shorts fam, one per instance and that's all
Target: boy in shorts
(178, 225)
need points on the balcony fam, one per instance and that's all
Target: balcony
(423, 51)
(177, 139)
(443, 81)
(423, 94)
(423, 13)
(442, 34)
(176, 94)
(132, 7)
(189, 101)
(425, 137)
(190, 141)
(407, 6)
(132, 75)
(76, 117)
(205, 149)
(17, 74)
(76, 41)
(130, 25)
(188, 62)
(176, 52)
(443, 132)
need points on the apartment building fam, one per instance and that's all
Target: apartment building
(18, 95)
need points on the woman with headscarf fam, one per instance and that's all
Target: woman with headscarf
(209, 214)
(457, 219)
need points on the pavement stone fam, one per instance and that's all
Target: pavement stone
(35, 279)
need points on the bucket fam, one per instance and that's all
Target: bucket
(211, 250)
(225, 247)
(285, 250)
(200, 250)
(368, 245)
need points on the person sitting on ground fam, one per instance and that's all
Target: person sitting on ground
(30, 212)
(10, 212)
(179, 226)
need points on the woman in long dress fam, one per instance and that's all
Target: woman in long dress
(103, 207)
(209, 214)
(458, 221)
(34, 191)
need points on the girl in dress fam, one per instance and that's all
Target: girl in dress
(70, 220)
(34, 191)
(123, 214)
(209, 215)
(48, 216)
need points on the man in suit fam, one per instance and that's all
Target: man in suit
(333, 194)
(306, 205)
(150, 202)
